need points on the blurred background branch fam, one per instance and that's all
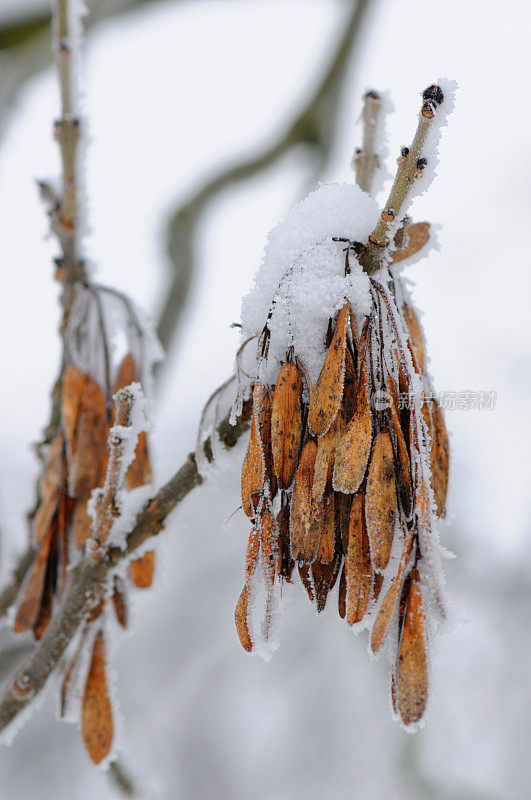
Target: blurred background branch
(25, 43)
(315, 127)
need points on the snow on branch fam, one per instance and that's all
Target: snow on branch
(416, 169)
(89, 573)
(368, 159)
(106, 505)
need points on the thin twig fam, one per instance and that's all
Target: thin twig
(25, 44)
(65, 222)
(107, 506)
(63, 211)
(366, 159)
(410, 166)
(86, 578)
(121, 778)
(314, 127)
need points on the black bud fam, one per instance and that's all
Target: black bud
(372, 94)
(434, 93)
(404, 151)
(421, 163)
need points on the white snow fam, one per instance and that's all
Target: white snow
(124, 439)
(302, 283)
(212, 712)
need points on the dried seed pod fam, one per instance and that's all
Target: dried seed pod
(286, 423)
(354, 329)
(96, 716)
(119, 600)
(306, 513)
(240, 618)
(353, 450)
(268, 542)
(418, 235)
(380, 501)
(404, 484)
(324, 461)
(358, 570)
(264, 427)
(81, 523)
(415, 333)
(307, 580)
(324, 577)
(377, 581)
(254, 464)
(342, 504)
(29, 605)
(90, 441)
(251, 556)
(326, 550)
(45, 611)
(412, 668)
(142, 570)
(424, 536)
(426, 416)
(390, 601)
(139, 472)
(439, 457)
(362, 347)
(50, 486)
(285, 562)
(394, 698)
(349, 391)
(342, 595)
(253, 473)
(72, 389)
(328, 391)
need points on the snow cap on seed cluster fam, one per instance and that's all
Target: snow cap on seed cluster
(301, 283)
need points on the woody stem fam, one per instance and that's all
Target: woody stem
(409, 168)
(67, 130)
(366, 159)
(90, 573)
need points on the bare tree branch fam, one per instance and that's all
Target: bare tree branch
(107, 506)
(366, 159)
(25, 44)
(410, 167)
(86, 578)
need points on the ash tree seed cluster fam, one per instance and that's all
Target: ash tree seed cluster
(346, 469)
(88, 449)
(109, 349)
